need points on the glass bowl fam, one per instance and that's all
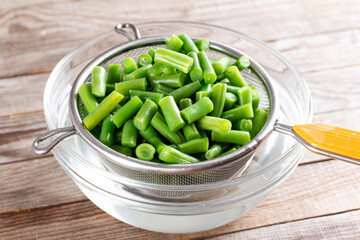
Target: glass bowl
(179, 208)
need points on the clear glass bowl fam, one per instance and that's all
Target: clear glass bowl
(196, 207)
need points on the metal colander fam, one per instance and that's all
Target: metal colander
(217, 169)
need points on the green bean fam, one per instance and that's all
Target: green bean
(127, 111)
(171, 113)
(221, 64)
(150, 135)
(135, 84)
(171, 155)
(190, 130)
(243, 125)
(244, 95)
(206, 87)
(161, 88)
(174, 59)
(174, 81)
(167, 70)
(138, 73)
(225, 80)
(159, 123)
(196, 73)
(208, 71)
(155, 70)
(202, 44)
(129, 135)
(258, 122)
(222, 78)
(232, 136)
(214, 124)
(235, 77)
(144, 59)
(189, 45)
(228, 152)
(143, 95)
(255, 98)
(107, 131)
(109, 88)
(184, 103)
(114, 74)
(174, 43)
(233, 89)
(121, 149)
(230, 100)
(201, 94)
(82, 110)
(217, 96)
(145, 114)
(185, 91)
(118, 136)
(215, 150)
(242, 63)
(102, 110)
(98, 81)
(197, 110)
(238, 113)
(129, 65)
(194, 146)
(145, 152)
(89, 101)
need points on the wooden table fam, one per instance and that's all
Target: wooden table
(321, 199)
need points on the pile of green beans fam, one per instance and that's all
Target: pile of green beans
(173, 105)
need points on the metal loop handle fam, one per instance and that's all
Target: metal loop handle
(68, 131)
(120, 26)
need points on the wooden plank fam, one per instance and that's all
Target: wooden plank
(338, 226)
(312, 190)
(35, 184)
(55, 28)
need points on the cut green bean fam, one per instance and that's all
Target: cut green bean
(144, 59)
(161, 88)
(138, 73)
(222, 78)
(135, 84)
(227, 152)
(202, 44)
(244, 95)
(145, 152)
(189, 45)
(150, 135)
(102, 110)
(174, 43)
(214, 124)
(206, 87)
(82, 110)
(114, 73)
(232, 136)
(107, 131)
(184, 103)
(129, 134)
(235, 77)
(145, 114)
(155, 70)
(221, 64)
(201, 94)
(118, 136)
(194, 146)
(159, 123)
(196, 73)
(185, 91)
(217, 96)
(129, 65)
(174, 81)
(98, 81)
(209, 74)
(171, 113)
(197, 110)
(174, 59)
(238, 113)
(215, 150)
(233, 89)
(89, 101)
(190, 130)
(230, 100)
(143, 95)
(121, 149)
(171, 155)
(127, 111)
(243, 125)
(255, 98)
(258, 121)
(225, 80)
(242, 63)
(151, 52)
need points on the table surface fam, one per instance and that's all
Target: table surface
(321, 199)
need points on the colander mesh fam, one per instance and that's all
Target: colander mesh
(218, 174)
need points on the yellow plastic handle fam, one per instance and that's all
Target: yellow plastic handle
(331, 139)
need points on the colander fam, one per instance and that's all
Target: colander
(324, 139)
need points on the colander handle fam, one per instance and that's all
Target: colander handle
(326, 139)
(119, 28)
(68, 131)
